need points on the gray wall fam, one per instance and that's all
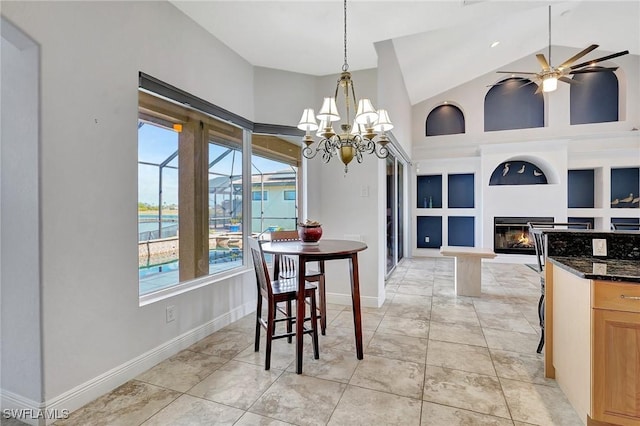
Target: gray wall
(94, 333)
(19, 219)
(91, 53)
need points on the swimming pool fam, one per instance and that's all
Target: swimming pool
(157, 277)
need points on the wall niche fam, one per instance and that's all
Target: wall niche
(517, 172)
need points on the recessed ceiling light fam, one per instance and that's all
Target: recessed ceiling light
(495, 43)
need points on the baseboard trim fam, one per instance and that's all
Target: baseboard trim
(106, 382)
(25, 409)
(345, 299)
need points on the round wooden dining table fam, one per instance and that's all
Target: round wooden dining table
(320, 252)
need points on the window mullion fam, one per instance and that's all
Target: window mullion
(193, 201)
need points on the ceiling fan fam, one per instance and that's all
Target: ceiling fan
(550, 75)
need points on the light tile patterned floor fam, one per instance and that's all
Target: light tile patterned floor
(431, 358)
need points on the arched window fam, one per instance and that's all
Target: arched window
(513, 104)
(594, 98)
(445, 120)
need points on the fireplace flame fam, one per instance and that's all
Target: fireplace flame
(523, 239)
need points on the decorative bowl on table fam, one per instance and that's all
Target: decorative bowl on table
(310, 232)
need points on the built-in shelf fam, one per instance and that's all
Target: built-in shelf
(429, 231)
(625, 187)
(461, 231)
(590, 220)
(429, 191)
(580, 188)
(460, 193)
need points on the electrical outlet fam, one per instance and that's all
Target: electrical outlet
(600, 268)
(364, 191)
(599, 247)
(171, 313)
(426, 239)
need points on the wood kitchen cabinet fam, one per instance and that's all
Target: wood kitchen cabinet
(615, 382)
(593, 346)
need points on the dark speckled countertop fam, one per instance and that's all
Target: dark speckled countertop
(600, 269)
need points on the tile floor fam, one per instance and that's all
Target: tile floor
(431, 358)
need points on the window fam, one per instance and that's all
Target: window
(190, 196)
(193, 174)
(274, 172)
(255, 196)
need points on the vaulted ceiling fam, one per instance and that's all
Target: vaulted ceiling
(439, 44)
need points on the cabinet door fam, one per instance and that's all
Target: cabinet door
(616, 367)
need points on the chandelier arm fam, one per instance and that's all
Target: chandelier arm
(309, 153)
(381, 153)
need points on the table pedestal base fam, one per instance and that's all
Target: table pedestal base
(468, 268)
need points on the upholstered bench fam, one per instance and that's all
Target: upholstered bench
(468, 275)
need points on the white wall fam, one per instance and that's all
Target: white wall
(21, 379)
(95, 335)
(280, 96)
(393, 94)
(91, 53)
(470, 99)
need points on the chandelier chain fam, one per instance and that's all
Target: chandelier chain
(345, 67)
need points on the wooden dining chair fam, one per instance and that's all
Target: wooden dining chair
(287, 268)
(276, 292)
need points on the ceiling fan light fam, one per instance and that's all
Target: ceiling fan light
(549, 84)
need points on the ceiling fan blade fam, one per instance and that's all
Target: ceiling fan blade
(543, 62)
(538, 90)
(604, 58)
(567, 80)
(588, 70)
(516, 72)
(577, 56)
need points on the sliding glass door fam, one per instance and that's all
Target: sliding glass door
(395, 211)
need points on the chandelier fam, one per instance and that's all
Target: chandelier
(354, 138)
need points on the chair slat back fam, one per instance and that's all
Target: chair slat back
(287, 263)
(261, 268)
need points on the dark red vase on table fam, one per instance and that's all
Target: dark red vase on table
(310, 233)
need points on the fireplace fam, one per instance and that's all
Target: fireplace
(511, 234)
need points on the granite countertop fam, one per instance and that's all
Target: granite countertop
(600, 269)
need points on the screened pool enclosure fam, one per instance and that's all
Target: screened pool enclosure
(273, 198)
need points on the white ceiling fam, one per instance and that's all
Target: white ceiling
(439, 44)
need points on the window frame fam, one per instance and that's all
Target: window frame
(289, 191)
(249, 130)
(199, 130)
